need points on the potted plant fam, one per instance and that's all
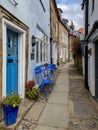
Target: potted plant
(10, 108)
(32, 91)
(30, 84)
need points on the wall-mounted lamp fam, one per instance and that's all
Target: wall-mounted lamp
(33, 42)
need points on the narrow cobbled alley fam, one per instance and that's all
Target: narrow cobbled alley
(69, 106)
(83, 114)
(52, 114)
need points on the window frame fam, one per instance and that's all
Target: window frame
(41, 54)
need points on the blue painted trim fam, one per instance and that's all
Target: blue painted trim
(42, 5)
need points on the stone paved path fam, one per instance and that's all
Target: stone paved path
(83, 115)
(68, 107)
(52, 114)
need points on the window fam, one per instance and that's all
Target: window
(41, 47)
(37, 50)
(56, 30)
(41, 52)
(62, 37)
(93, 2)
(61, 51)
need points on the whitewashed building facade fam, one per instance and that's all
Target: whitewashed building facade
(27, 23)
(90, 8)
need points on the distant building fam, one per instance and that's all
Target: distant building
(63, 43)
(54, 32)
(73, 34)
(59, 36)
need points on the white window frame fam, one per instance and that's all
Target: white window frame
(44, 50)
(56, 30)
(61, 52)
(42, 39)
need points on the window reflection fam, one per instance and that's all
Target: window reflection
(11, 46)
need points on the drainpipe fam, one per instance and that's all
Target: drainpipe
(50, 36)
(86, 46)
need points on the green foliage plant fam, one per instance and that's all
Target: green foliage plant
(12, 99)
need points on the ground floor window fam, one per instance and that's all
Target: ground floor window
(61, 52)
(41, 46)
(41, 51)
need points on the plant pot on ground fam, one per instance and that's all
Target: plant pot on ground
(10, 108)
(31, 92)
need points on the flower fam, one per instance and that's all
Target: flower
(12, 99)
(32, 94)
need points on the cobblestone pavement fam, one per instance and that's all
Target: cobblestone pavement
(83, 115)
(29, 122)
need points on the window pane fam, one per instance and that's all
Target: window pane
(44, 52)
(41, 51)
(37, 52)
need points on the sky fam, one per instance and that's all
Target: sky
(72, 11)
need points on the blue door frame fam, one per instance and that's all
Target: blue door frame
(12, 62)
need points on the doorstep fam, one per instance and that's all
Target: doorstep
(24, 107)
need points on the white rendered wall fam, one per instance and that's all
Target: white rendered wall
(31, 13)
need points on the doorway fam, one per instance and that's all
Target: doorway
(12, 62)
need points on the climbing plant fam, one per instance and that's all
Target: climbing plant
(77, 54)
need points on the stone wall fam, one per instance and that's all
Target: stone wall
(54, 22)
(62, 29)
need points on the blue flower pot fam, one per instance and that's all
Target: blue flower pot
(10, 114)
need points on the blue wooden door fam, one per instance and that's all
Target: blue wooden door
(12, 62)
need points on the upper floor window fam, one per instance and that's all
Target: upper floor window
(93, 2)
(42, 5)
(63, 35)
(56, 30)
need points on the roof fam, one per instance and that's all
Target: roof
(81, 30)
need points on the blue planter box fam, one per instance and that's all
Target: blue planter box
(10, 114)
